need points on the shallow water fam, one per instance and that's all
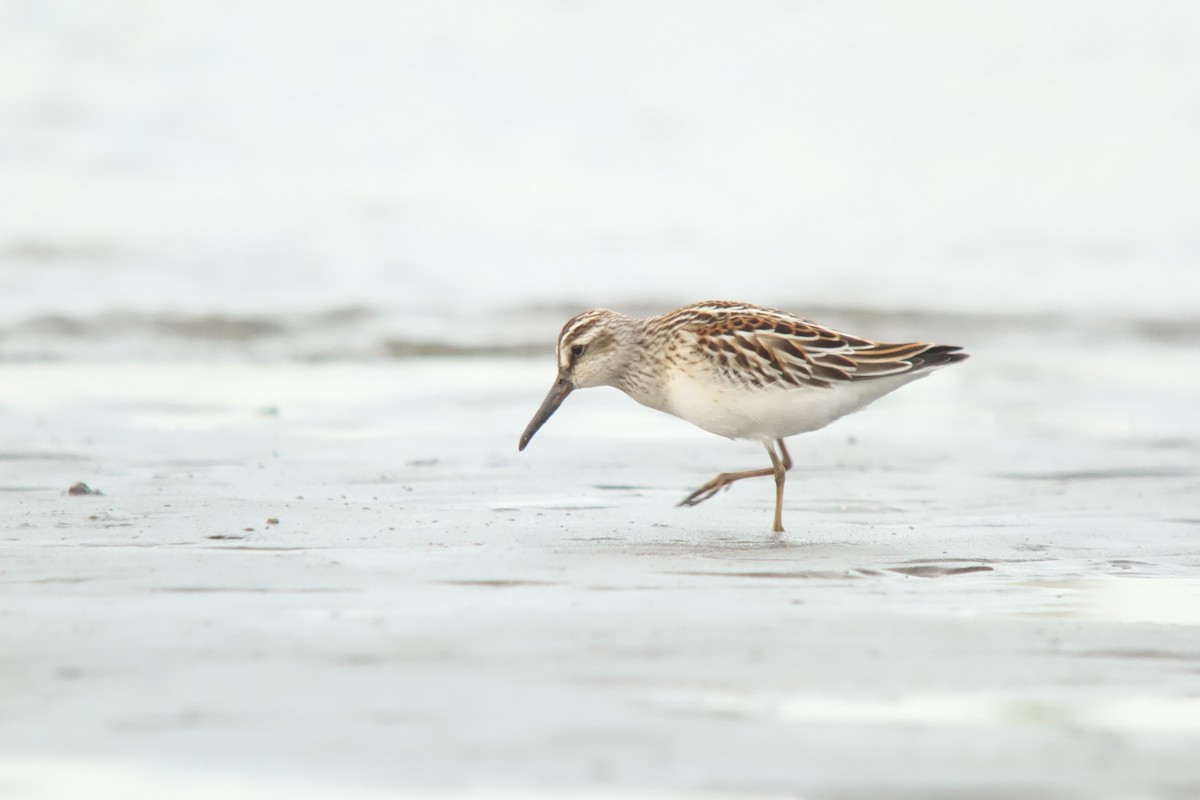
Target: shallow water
(241, 171)
(352, 558)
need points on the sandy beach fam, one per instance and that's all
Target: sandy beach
(342, 577)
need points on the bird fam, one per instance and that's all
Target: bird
(738, 370)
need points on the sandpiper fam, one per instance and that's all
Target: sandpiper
(738, 370)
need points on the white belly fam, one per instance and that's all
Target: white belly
(770, 412)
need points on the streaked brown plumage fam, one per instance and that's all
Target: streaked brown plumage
(735, 369)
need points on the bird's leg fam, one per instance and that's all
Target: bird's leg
(779, 468)
(779, 465)
(787, 459)
(723, 481)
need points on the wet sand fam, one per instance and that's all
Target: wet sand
(333, 578)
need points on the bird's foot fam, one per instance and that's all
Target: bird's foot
(722, 481)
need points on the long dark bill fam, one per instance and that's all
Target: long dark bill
(558, 392)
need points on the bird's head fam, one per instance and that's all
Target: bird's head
(592, 351)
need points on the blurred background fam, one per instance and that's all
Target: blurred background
(374, 177)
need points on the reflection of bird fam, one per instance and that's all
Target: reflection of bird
(734, 369)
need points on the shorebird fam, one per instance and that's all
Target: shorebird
(737, 370)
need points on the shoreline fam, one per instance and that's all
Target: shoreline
(433, 611)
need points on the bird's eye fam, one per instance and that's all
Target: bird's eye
(577, 350)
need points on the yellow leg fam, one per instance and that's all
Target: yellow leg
(780, 464)
(722, 481)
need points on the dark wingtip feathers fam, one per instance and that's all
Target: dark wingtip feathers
(939, 356)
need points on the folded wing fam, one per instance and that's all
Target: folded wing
(748, 345)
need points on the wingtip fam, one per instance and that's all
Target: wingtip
(942, 355)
